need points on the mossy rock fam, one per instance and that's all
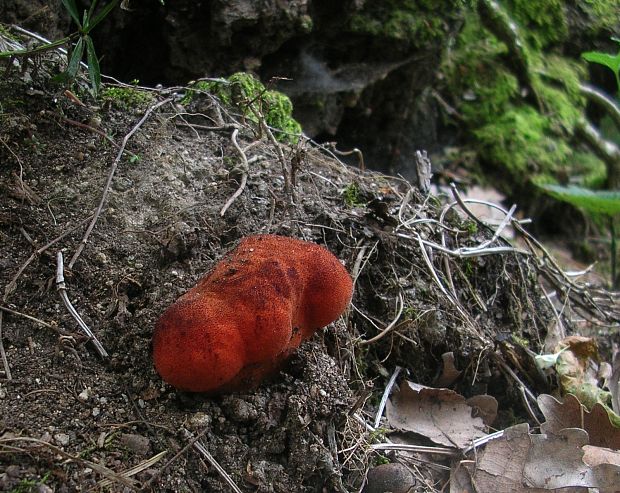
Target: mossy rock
(414, 22)
(245, 92)
(526, 131)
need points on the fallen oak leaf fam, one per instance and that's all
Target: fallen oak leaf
(557, 462)
(449, 373)
(613, 382)
(441, 415)
(484, 406)
(594, 456)
(578, 369)
(499, 466)
(572, 414)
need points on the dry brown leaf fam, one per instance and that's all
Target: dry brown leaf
(594, 456)
(441, 415)
(578, 365)
(484, 406)
(500, 464)
(460, 477)
(557, 461)
(449, 373)
(572, 414)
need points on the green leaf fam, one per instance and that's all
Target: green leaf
(89, 15)
(35, 50)
(605, 202)
(94, 72)
(101, 15)
(611, 61)
(76, 58)
(73, 11)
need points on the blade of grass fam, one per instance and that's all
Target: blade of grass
(73, 11)
(94, 72)
(101, 15)
(89, 16)
(76, 58)
(38, 49)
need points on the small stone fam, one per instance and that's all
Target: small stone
(138, 444)
(84, 395)
(62, 439)
(394, 477)
(199, 420)
(96, 411)
(239, 410)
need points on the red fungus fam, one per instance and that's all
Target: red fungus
(249, 313)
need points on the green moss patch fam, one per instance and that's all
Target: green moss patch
(527, 132)
(127, 98)
(248, 94)
(414, 22)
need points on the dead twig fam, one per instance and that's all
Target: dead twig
(145, 464)
(62, 290)
(10, 287)
(526, 394)
(245, 169)
(34, 319)
(201, 449)
(355, 150)
(95, 130)
(400, 304)
(104, 471)
(5, 361)
(106, 189)
(386, 395)
(285, 173)
(147, 485)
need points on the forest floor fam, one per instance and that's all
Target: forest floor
(428, 281)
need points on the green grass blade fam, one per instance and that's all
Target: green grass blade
(94, 71)
(606, 202)
(89, 16)
(76, 58)
(101, 14)
(38, 49)
(73, 11)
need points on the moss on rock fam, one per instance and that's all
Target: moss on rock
(543, 23)
(249, 95)
(530, 136)
(414, 22)
(127, 98)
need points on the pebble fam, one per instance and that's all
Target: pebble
(84, 395)
(62, 439)
(199, 420)
(138, 444)
(394, 477)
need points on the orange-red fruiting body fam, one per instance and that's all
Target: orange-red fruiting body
(249, 313)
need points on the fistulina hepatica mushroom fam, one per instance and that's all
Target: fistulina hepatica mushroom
(249, 313)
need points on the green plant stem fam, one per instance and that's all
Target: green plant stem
(37, 50)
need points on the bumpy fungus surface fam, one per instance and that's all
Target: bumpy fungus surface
(249, 313)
